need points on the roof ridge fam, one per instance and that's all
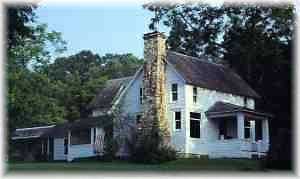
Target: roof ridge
(122, 78)
(196, 58)
(229, 103)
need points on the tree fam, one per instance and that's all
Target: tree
(30, 100)
(80, 76)
(17, 18)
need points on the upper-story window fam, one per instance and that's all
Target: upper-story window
(195, 94)
(174, 92)
(141, 95)
(245, 102)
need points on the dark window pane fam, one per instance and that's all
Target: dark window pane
(247, 123)
(247, 129)
(94, 137)
(178, 125)
(141, 95)
(177, 120)
(138, 119)
(247, 133)
(66, 146)
(195, 95)
(195, 128)
(174, 92)
(174, 96)
(258, 130)
(174, 87)
(195, 91)
(177, 116)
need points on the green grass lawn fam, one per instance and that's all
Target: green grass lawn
(100, 166)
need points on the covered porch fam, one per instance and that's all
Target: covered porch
(67, 141)
(242, 130)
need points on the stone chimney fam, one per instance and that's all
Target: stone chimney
(154, 106)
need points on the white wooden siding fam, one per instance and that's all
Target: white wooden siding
(208, 143)
(58, 151)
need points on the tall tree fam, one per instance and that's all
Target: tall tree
(80, 76)
(30, 98)
(17, 19)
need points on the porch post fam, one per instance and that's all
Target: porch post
(252, 123)
(265, 131)
(69, 144)
(240, 125)
(48, 147)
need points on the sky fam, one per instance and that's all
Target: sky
(99, 28)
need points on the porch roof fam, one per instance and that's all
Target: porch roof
(32, 132)
(84, 123)
(221, 109)
(60, 130)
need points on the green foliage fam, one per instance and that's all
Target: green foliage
(30, 98)
(35, 51)
(80, 76)
(151, 150)
(16, 18)
(110, 148)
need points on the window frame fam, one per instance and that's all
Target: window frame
(177, 120)
(198, 121)
(195, 94)
(246, 128)
(141, 95)
(258, 130)
(174, 92)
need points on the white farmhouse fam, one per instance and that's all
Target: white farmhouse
(206, 109)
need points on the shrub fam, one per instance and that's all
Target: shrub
(150, 151)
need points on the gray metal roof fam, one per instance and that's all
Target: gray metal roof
(106, 96)
(209, 75)
(226, 108)
(33, 132)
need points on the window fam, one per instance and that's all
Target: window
(94, 136)
(138, 118)
(258, 130)
(174, 92)
(195, 94)
(195, 125)
(177, 120)
(245, 102)
(247, 125)
(81, 137)
(141, 95)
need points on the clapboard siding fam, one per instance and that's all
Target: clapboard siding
(81, 151)
(59, 149)
(177, 136)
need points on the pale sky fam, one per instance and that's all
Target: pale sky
(99, 28)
